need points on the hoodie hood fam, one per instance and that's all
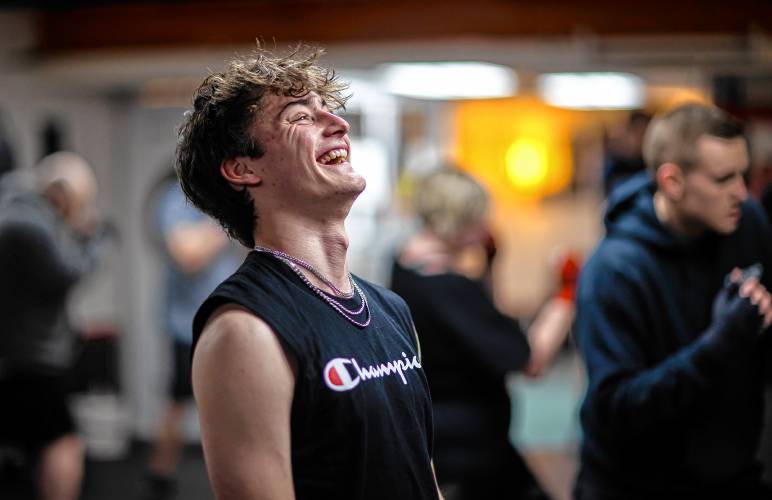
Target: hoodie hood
(20, 202)
(16, 187)
(630, 215)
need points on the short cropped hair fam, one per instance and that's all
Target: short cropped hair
(449, 200)
(218, 128)
(66, 169)
(672, 138)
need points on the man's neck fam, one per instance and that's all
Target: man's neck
(668, 216)
(322, 244)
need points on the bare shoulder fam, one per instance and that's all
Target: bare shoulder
(237, 346)
(243, 382)
(231, 322)
(232, 333)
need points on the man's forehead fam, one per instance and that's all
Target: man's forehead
(713, 141)
(717, 152)
(277, 102)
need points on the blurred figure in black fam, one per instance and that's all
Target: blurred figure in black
(468, 345)
(6, 153)
(623, 152)
(49, 239)
(671, 329)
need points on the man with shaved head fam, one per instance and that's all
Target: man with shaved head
(673, 322)
(47, 243)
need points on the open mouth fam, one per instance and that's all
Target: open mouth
(333, 157)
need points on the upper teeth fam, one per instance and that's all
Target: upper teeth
(331, 155)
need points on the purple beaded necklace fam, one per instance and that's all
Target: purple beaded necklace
(294, 263)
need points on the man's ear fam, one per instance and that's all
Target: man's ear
(59, 195)
(670, 180)
(240, 172)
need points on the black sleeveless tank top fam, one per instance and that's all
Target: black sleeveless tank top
(361, 421)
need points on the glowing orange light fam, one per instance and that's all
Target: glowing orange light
(526, 163)
(519, 148)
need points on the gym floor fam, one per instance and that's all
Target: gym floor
(121, 479)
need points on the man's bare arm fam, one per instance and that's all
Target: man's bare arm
(243, 382)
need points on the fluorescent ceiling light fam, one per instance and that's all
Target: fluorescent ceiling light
(449, 80)
(592, 90)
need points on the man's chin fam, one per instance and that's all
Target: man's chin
(356, 181)
(727, 229)
(362, 185)
(355, 191)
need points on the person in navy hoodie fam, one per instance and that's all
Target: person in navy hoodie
(673, 319)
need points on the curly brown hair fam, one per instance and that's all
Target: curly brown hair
(225, 107)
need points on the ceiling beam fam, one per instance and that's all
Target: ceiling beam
(230, 23)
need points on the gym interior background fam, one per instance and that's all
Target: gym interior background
(544, 88)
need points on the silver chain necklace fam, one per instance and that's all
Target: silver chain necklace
(306, 265)
(294, 262)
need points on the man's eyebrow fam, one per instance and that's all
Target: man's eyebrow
(730, 175)
(304, 101)
(725, 177)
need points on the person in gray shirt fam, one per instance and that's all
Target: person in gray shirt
(49, 239)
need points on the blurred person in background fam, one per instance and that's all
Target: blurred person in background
(760, 172)
(444, 274)
(6, 150)
(49, 239)
(623, 152)
(760, 186)
(670, 327)
(197, 257)
(307, 379)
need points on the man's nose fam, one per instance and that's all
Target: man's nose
(741, 189)
(336, 125)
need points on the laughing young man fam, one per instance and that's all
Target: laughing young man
(672, 333)
(308, 379)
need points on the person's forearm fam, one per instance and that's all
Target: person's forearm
(194, 246)
(548, 332)
(663, 392)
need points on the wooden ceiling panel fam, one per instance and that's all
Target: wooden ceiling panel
(186, 24)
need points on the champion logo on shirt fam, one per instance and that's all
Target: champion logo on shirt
(343, 374)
